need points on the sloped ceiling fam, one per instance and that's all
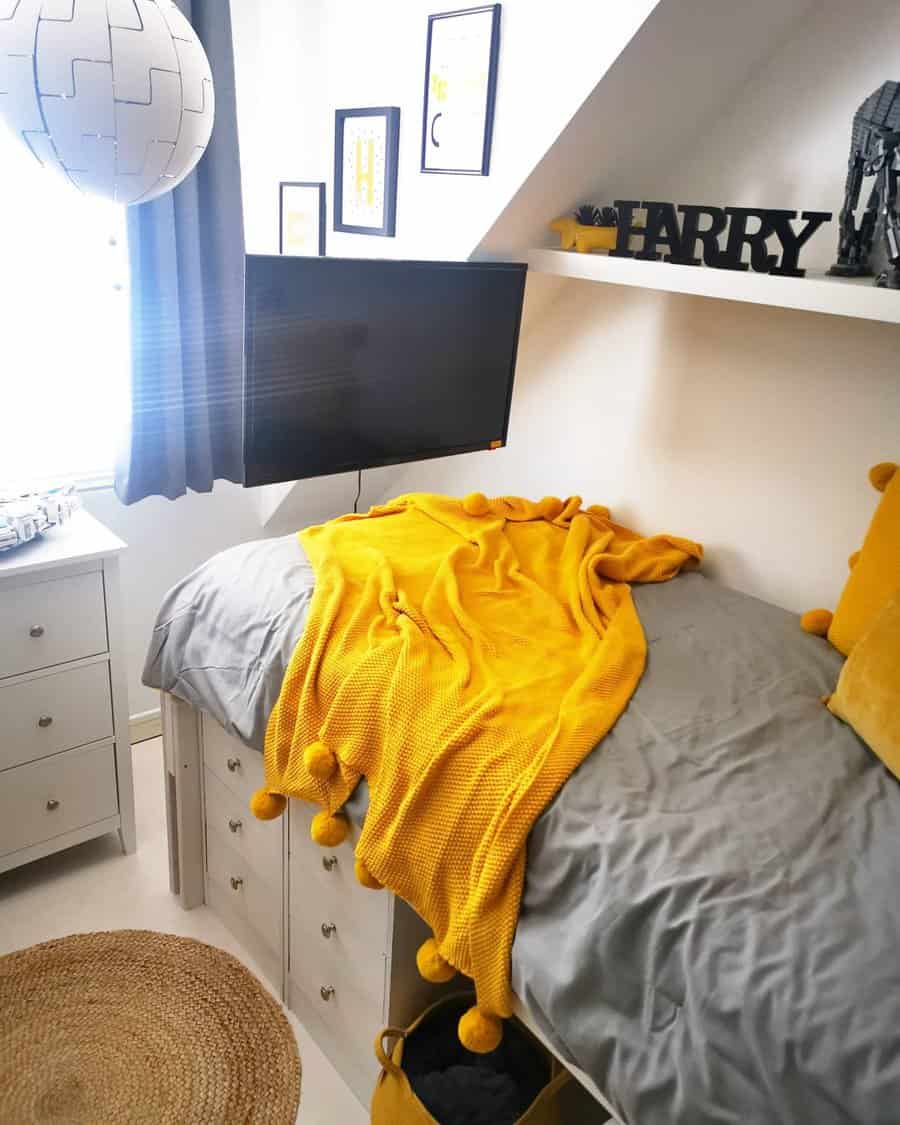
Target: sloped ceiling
(684, 67)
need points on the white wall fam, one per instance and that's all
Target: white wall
(747, 428)
(652, 112)
(784, 139)
(376, 56)
(297, 63)
(166, 540)
(283, 125)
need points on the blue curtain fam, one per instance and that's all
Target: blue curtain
(187, 302)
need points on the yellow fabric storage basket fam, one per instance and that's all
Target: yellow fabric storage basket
(433, 1037)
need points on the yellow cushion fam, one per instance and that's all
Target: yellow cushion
(868, 691)
(876, 576)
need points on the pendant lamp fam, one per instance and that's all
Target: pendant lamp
(114, 95)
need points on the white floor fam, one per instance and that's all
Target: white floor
(95, 887)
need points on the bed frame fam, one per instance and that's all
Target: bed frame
(209, 776)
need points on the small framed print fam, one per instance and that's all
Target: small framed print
(366, 151)
(301, 220)
(460, 90)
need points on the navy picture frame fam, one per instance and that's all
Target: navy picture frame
(485, 169)
(391, 115)
(320, 184)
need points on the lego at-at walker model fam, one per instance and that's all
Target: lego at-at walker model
(873, 248)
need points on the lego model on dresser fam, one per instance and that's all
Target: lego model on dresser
(65, 756)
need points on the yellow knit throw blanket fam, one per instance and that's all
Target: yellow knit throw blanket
(463, 656)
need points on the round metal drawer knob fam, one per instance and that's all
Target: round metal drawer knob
(235, 825)
(36, 631)
(326, 992)
(52, 804)
(329, 862)
(45, 721)
(236, 882)
(328, 929)
(233, 764)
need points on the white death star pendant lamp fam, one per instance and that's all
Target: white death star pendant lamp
(116, 95)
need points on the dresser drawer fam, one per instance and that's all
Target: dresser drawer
(340, 953)
(351, 1019)
(59, 794)
(48, 623)
(53, 713)
(236, 765)
(247, 892)
(323, 883)
(259, 842)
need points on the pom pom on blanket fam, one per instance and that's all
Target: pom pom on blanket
(319, 760)
(874, 570)
(480, 1032)
(816, 621)
(328, 831)
(267, 806)
(365, 876)
(476, 504)
(881, 475)
(432, 966)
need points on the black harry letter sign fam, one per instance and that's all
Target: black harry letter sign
(662, 227)
(691, 233)
(626, 228)
(760, 259)
(792, 242)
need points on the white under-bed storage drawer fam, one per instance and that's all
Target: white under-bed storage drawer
(331, 945)
(238, 767)
(248, 893)
(324, 886)
(339, 941)
(344, 1021)
(249, 905)
(258, 842)
(244, 856)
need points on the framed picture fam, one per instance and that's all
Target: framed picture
(366, 151)
(460, 90)
(301, 220)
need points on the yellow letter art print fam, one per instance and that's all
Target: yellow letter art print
(301, 221)
(366, 148)
(460, 89)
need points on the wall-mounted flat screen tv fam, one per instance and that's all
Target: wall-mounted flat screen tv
(352, 363)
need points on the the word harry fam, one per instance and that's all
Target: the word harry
(683, 230)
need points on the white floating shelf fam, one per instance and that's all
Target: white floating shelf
(814, 293)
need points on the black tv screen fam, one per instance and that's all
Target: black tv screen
(353, 363)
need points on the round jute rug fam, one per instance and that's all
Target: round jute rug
(134, 1026)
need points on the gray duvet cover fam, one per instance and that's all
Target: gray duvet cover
(710, 924)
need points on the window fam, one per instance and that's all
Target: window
(64, 325)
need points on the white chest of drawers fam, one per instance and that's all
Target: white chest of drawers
(65, 758)
(342, 956)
